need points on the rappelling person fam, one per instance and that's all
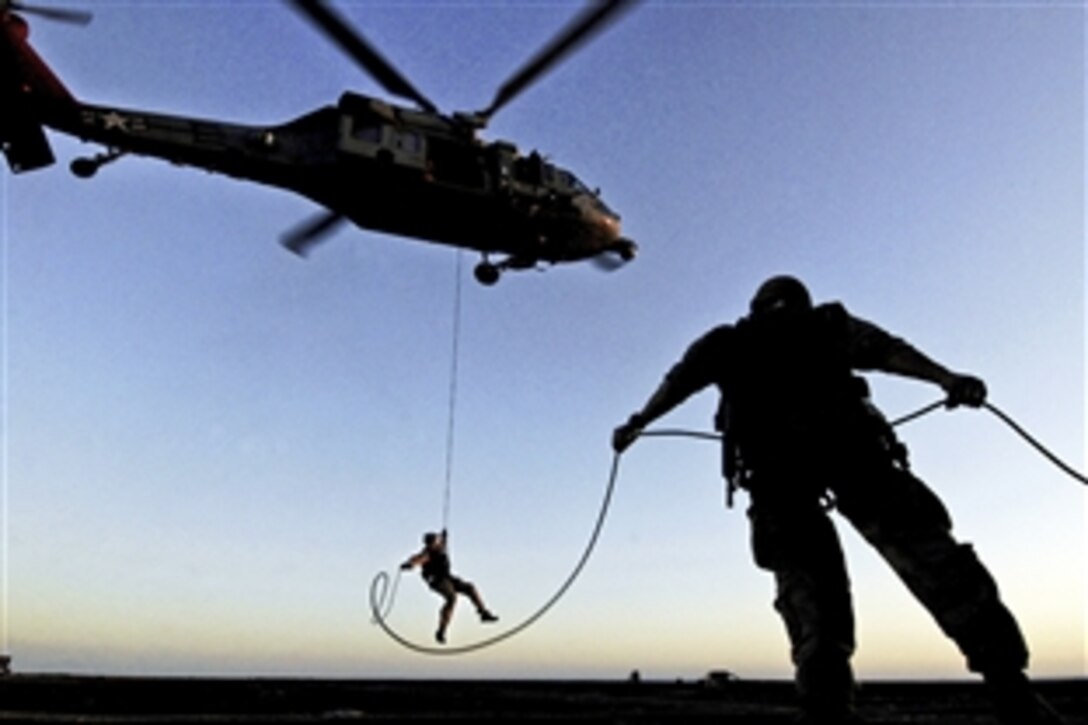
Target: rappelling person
(800, 435)
(435, 563)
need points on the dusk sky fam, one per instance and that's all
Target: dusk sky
(210, 446)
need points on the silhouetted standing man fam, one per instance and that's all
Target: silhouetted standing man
(799, 431)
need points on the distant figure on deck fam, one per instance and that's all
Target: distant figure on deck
(801, 436)
(435, 563)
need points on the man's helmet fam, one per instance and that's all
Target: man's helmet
(780, 293)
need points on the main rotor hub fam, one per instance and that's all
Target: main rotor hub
(472, 121)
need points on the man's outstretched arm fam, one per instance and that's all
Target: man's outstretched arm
(891, 354)
(694, 372)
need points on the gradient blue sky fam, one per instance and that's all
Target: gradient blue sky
(210, 446)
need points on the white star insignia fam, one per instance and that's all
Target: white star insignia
(113, 119)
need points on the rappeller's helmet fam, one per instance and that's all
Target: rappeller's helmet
(781, 293)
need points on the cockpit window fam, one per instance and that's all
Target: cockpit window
(572, 182)
(599, 203)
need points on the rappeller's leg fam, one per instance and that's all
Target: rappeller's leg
(470, 591)
(801, 548)
(912, 530)
(445, 614)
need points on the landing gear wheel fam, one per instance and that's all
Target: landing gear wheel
(84, 168)
(486, 273)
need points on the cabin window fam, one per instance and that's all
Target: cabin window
(410, 142)
(369, 132)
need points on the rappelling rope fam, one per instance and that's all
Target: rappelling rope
(389, 593)
(382, 594)
(924, 410)
(452, 410)
(1065, 467)
(385, 601)
(705, 435)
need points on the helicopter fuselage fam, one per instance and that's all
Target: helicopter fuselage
(418, 177)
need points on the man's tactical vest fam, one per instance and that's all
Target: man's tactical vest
(437, 566)
(787, 387)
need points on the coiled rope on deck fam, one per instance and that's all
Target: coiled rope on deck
(382, 593)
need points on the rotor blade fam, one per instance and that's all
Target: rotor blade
(590, 21)
(352, 43)
(310, 233)
(78, 17)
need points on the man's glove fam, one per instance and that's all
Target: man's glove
(965, 390)
(626, 434)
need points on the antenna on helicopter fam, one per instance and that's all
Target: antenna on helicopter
(77, 17)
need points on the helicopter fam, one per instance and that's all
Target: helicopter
(408, 171)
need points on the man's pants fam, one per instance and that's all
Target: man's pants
(903, 520)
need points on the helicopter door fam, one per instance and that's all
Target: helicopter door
(360, 136)
(374, 139)
(457, 164)
(408, 147)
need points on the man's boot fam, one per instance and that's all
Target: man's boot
(1015, 701)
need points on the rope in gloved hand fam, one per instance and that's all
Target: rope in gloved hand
(382, 593)
(924, 410)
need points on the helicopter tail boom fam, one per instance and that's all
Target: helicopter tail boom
(26, 82)
(25, 144)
